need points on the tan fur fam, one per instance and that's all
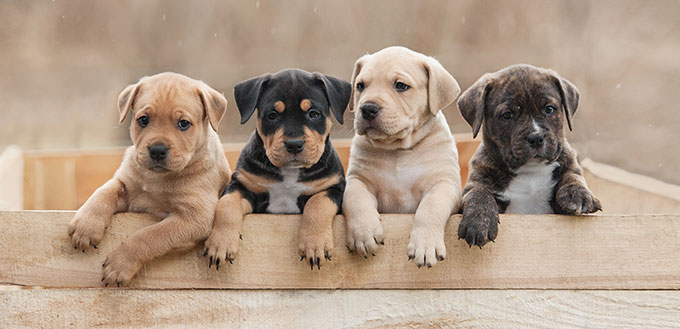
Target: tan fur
(406, 161)
(316, 228)
(223, 241)
(183, 195)
(279, 106)
(305, 104)
(322, 184)
(254, 183)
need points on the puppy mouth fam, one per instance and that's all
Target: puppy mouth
(158, 168)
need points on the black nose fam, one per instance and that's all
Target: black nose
(535, 140)
(370, 111)
(295, 146)
(158, 152)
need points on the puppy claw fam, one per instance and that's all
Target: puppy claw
(318, 263)
(205, 253)
(231, 261)
(311, 263)
(302, 258)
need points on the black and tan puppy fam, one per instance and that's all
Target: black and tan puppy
(524, 164)
(289, 165)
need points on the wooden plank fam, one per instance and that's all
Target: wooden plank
(623, 192)
(531, 252)
(11, 175)
(77, 308)
(63, 180)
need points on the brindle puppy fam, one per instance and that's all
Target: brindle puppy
(524, 164)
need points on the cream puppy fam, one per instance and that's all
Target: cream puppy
(403, 157)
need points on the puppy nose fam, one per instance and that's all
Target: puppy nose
(535, 140)
(295, 146)
(370, 111)
(158, 152)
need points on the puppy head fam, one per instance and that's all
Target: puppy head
(396, 90)
(171, 118)
(293, 113)
(522, 109)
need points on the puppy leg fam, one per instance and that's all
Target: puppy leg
(223, 242)
(360, 207)
(573, 197)
(426, 244)
(174, 231)
(480, 217)
(316, 229)
(87, 226)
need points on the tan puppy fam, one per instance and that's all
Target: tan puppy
(403, 157)
(175, 171)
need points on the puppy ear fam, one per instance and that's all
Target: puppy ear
(247, 93)
(214, 105)
(442, 88)
(570, 97)
(337, 91)
(126, 99)
(353, 84)
(473, 102)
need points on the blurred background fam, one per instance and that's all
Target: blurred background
(63, 63)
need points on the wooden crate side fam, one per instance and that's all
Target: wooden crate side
(78, 308)
(623, 192)
(11, 179)
(63, 180)
(531, 252)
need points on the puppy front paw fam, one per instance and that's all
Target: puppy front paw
(315, 246)
(575, 199)
(86, 230)
(426, 247)
(364, 235)
(222, 245)
(120, 266)
(478, 228)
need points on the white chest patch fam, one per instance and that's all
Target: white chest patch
(531, 190)
(283, 195)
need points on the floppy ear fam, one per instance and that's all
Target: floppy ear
(214, 105)
(570, 97)
(247, 93)
(473, 102)
(357, 69)
(337, 91)
(126, 99)
(442, 88)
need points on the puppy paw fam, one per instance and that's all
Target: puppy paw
(120, 267)
(364, 235)
(316, 247)
(478, 229)
(426, 247)
(86, 230)
(576, 199)
(222, 246)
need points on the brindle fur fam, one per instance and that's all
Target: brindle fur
(525, 90)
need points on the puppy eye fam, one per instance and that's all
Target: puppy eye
(550, 110)
(401, 87)
(360, 86)
(273, 115)
(143, 121)
(313, 114)
(507, 115)
(183, 125)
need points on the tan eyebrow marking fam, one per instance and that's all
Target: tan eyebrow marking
(306, 104)
(279, 106)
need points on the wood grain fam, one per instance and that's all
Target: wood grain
(531, 252)
(106, 308)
